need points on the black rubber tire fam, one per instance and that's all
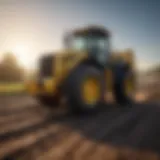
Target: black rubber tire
(119, 87)
(73, 88)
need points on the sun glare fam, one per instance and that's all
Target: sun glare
(22, 54)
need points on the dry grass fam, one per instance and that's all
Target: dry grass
(9, 88)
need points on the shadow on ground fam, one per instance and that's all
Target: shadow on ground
(136, 127)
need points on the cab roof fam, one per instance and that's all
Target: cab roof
(92, 30)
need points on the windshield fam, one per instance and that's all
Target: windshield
(79, 43)
(89, 43)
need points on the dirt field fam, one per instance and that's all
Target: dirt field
(29, 131)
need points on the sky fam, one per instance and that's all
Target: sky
(30, 28)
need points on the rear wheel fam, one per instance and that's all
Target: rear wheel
(124, 87)
(84, 89)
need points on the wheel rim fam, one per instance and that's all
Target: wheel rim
(130, 87)
(91, 91)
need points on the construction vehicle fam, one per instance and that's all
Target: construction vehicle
(84, 72)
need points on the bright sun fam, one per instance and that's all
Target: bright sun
(22, 54)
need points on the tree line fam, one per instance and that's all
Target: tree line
(10, 70)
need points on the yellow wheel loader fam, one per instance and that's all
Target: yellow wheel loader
(84, 72)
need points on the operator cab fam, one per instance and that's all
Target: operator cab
(94, 40)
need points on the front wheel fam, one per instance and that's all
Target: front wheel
(84, 89)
